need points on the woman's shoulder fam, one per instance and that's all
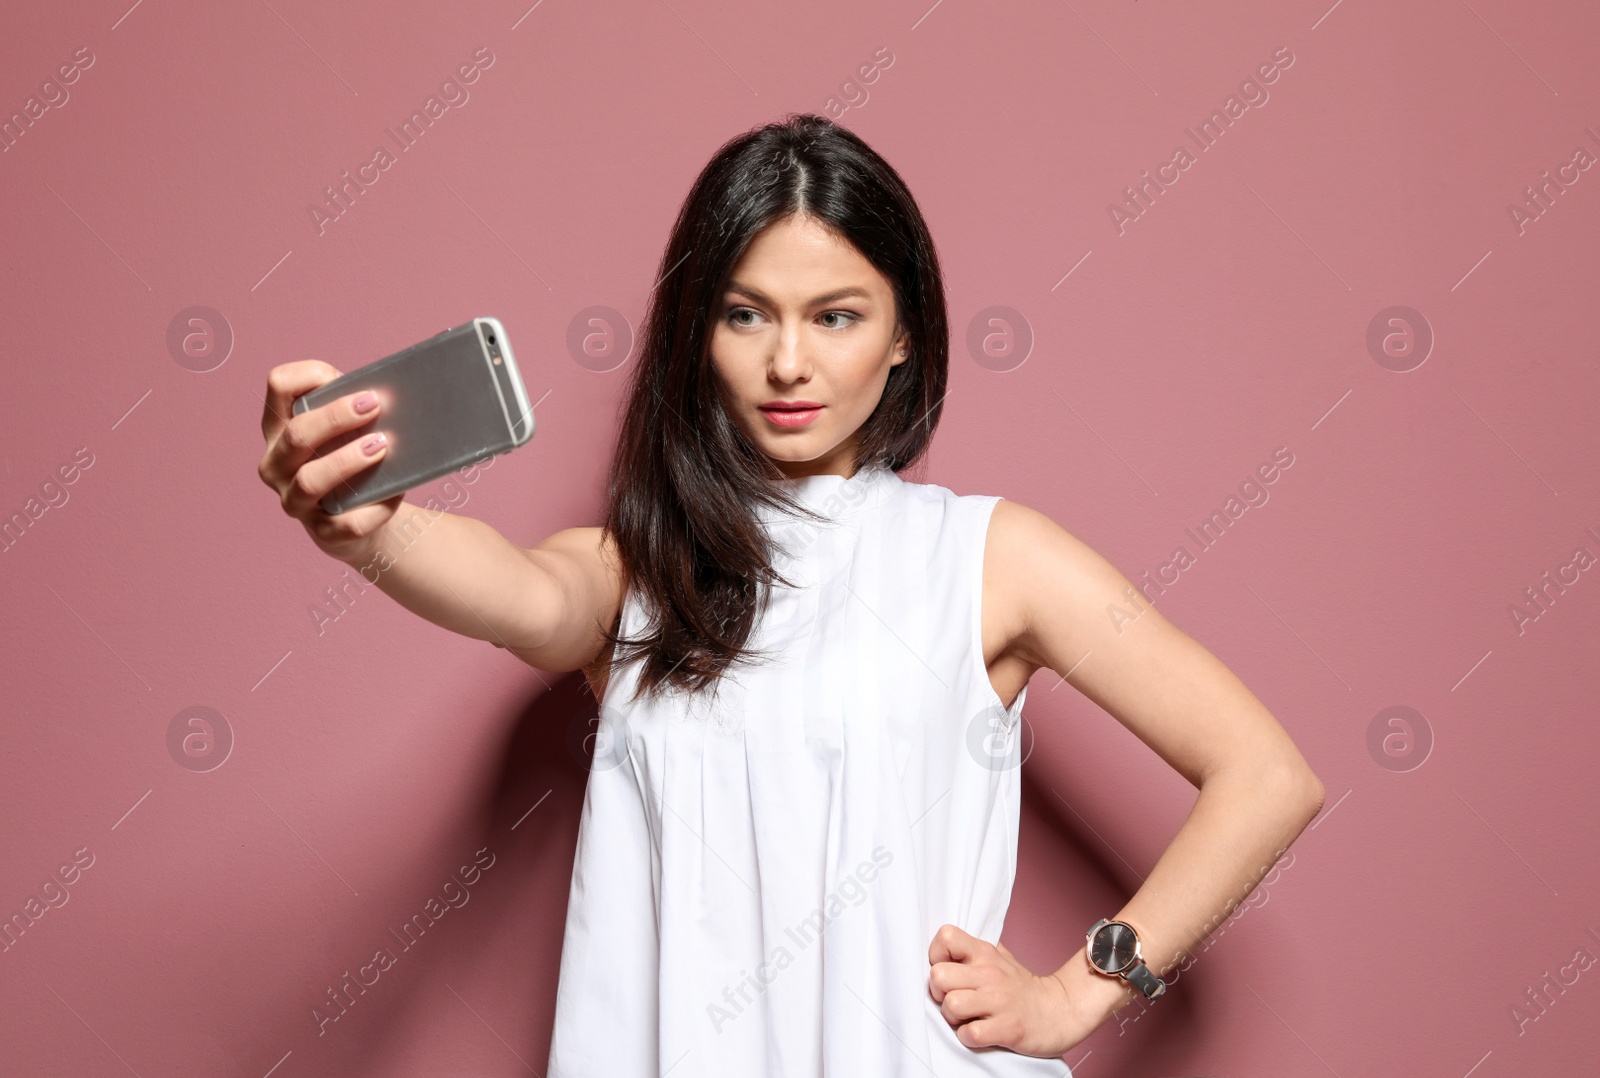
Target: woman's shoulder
(1027, 541)
(1014, 535)
(1019, 541)
(940, 496)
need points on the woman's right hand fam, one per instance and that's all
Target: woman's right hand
(290, 465)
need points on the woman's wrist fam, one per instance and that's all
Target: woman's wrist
(1092, 996)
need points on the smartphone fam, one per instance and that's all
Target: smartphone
(444, 403)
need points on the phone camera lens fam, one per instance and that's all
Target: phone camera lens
(491, 338)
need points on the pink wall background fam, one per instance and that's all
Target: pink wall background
(1451, 873)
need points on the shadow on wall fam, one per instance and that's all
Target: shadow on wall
(463, 954)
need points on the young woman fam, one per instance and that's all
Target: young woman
(798, 840)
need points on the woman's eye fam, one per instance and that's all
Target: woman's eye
(736, 313)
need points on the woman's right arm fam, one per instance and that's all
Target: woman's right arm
(547, 605)
(544, 605)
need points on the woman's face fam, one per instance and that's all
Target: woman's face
(805, 320)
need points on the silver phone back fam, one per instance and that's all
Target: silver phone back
(446, 402)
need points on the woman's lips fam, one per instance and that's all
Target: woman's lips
(791, 417)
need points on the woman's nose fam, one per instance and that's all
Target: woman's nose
(788, 361)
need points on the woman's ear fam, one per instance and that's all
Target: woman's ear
(902, 350)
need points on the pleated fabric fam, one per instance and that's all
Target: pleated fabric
(761, 869)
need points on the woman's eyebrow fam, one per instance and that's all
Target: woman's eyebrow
(830, 297)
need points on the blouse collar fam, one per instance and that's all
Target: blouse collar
(834, 497)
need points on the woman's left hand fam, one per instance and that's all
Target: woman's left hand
(990, 998)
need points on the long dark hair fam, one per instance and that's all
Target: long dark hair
(685, 480)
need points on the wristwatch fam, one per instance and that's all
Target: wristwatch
(1114, 950)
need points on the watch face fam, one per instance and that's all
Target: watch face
(1112, 948)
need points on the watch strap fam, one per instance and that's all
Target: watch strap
(1141, 977)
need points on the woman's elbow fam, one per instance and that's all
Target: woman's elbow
(1315, 794)
(1308, 793)
(1297, 787)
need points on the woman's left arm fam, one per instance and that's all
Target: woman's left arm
(1070, 610)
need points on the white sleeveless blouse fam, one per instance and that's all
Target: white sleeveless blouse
(761, 868)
